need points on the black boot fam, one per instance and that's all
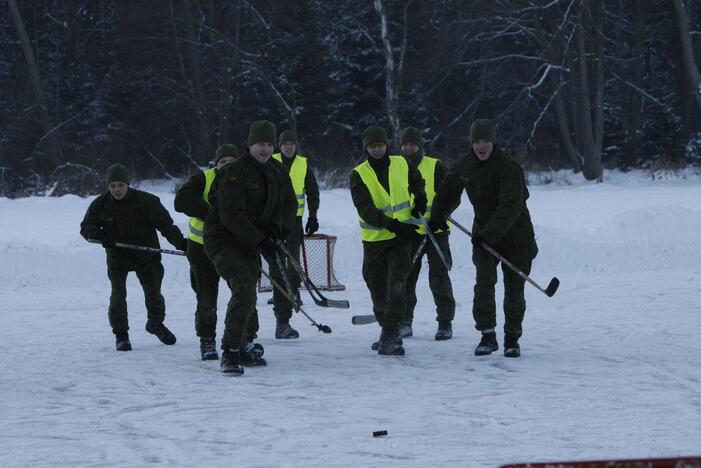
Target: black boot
(283, 331)
(405, 329)
(123, 343)
(161, 332)
(208, 349)
(445, 331)
(487, 345)
(255, 348)
(251, 356)
(376, 344)
(511, 347)
(231, 363)
(390, 342)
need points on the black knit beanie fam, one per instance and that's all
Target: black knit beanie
(261, 131)
(117, 173)
(287, 135)
(410, 135)
(226, 151)
(482, 129)
(374, 134)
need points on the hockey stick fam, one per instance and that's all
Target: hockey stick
(122, 245)
(363, 319)
(321, 301)
(288, 293)
(447, 265)
(552, 286)
(419, 251)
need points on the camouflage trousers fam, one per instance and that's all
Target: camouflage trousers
(241, 273)
(150, 276)
(484, 304)
(386, 268)
(438, 279)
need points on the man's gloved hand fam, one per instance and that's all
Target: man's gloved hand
(285, 233)
(404, 231)
(273, 232)
(106, 239)
(418, 210)
(312, 226)
(183, 245)
(437, 225)
(478, 240)
(267, 247)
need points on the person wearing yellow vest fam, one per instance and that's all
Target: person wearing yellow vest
(192, 199)
(432, 171)
(388, 193)
(306, 189)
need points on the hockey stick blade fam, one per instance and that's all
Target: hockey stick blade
(333, 303)
(552, 287)
(363, 319)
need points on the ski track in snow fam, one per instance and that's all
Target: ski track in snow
(609, 367)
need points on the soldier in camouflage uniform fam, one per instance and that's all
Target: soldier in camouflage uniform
(432, 171)
(124, 214)
(496, 187)
(254, 207)
(383, 188)
(306, 189)
(193, 200)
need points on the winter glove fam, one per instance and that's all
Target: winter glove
(106, 239)
(312, 226)
(437, 225)
(273, 232)
(183, 245)
(478, 240)
(407, 232)
(418, 210)
(267, 247)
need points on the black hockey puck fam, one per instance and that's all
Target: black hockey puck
(379, 433)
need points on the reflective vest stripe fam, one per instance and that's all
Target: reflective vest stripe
(298, 175)
(396, 204)
(196, 225)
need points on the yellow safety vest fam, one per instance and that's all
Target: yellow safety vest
(298, 174)
(196, 225)
(427, 168)
(395, 204)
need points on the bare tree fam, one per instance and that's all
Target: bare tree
(690, 66)
(54, 156)
(394, 66)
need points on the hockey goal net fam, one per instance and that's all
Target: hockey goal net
(316, 258)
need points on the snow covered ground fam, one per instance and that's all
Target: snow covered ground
(609, 368)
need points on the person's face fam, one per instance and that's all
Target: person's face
(376, 150)
(261, 152)
(482, 149)
(118, 190)
(410, 149)
(224, 161)
(288, 149)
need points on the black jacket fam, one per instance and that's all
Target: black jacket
(131, 220)
(247, 199)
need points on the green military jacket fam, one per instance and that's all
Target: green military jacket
(247, 198)
(131, 220)
(188, 198)
(497, 190)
